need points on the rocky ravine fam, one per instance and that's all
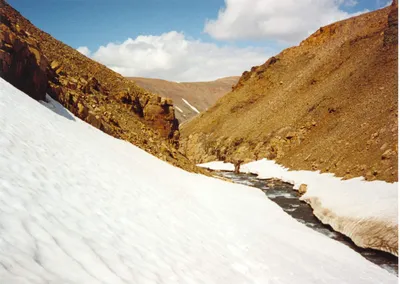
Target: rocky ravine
(329, 104)
(37, 64)
(200, 95)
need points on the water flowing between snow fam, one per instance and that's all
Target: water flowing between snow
(282, 193)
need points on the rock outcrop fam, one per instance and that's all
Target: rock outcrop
(21, 62)
(329, 104)
(37, 64)
(391, 33)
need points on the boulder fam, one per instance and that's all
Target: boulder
(94, 120)
(290, 135)
(92, 86)
(302, 189)
(82, 110)
(237, 164)
(388, 154)
(56, 66)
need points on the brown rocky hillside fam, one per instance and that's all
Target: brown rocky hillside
(200, 95)
(328, 104)
(36, 63)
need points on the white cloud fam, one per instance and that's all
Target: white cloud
(84, 50)
(174, 57)
(284, 20)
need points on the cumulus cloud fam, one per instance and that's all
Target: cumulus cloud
(84, 50)
(284, 20)
(174, 57)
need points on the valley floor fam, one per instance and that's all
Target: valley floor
(79, 206)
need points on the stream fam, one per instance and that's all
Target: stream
(287, 198)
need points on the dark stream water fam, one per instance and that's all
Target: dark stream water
(282, 193)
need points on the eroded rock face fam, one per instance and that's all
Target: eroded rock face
(160, 112)
(21, 63)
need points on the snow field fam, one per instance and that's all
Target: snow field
(79, 206)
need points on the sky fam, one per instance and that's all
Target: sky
(185, 40)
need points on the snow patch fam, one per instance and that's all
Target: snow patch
(192, 107)
(178, 109)
(79, 206)
(365, 211)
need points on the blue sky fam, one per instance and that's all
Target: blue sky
(95, 23)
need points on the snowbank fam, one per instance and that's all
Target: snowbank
(78, 206)
(367, 212)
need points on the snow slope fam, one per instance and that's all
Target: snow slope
(79, 206)
(367, 212)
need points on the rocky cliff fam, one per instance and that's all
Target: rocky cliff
(36, 63)
(329, 104)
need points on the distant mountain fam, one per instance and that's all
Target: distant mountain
(329, 104)
(36, 63)
(189, 98)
